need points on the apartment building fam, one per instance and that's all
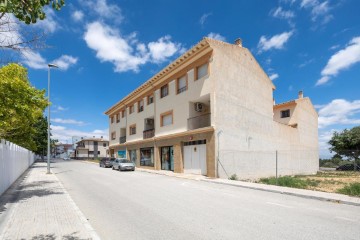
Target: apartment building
(213, 100)
(90, 148)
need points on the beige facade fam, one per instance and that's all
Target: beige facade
(92, 148)
(215, 96)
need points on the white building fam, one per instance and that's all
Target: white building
(88, 148)
(212, 112)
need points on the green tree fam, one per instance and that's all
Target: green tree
(21, 105)
(346, 143)
(29, 11)
(40, 136)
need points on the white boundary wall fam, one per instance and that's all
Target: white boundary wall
(14, 160)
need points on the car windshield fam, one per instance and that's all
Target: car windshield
(124, 161)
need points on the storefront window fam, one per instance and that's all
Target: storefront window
(132, 154)
(147, 157)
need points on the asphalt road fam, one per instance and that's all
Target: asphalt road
(140, 205)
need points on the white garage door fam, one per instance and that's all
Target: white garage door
(195, 159)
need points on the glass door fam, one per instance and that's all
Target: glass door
(167, 158)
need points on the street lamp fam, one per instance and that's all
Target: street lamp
(48, 150)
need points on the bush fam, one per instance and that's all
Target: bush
(292, 182)
(353, 189)
(233, 177)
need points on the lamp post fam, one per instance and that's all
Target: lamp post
(48, 150)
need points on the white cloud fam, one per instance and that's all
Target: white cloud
(67, 121)
(64, 134)
(339, 111)
(318, 10)
(204, 18)
(324, 138)
(36, 61)
(274, 76)
(49, 24)
(65, 61)
(162, 49)
(282, 14)
(77, 15)
(277, 42)
(341, 60)
(216, 36)
(104, 10)
(126, 53)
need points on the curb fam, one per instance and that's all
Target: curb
(327, 199)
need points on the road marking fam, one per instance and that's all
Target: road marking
(346, 219)
(280, 205)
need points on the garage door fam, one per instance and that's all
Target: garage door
(195, 158)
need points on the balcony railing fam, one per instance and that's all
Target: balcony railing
(199, 121)
(149, 133)
(122, 139)
(183, 89)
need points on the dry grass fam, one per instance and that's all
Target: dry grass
(332, 181)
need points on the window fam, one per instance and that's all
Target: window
(182, 84)
(118, 117)
(132, 154)
(166, 118)
(285, 113)
(141, 105)
(113, 135)
(131, 109)
(132, 129)
(104, 144)
(112, 119)
(123, 113)
(150, 99)
(147, 157)
(201, 71)
(164, 91)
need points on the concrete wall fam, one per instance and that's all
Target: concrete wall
(243, 112)
(14, 160)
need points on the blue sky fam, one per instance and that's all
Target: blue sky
(108, 48)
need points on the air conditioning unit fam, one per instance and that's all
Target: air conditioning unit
(199, 107)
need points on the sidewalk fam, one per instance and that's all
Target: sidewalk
(324, 196)
(37, 206)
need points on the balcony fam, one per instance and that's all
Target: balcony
(122, 139)
(149, 133)
(199, 121)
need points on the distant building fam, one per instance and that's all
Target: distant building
(89, 148)
(63, 150)
(211, 112)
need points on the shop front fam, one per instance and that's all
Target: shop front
(167, 158)
(147, 157)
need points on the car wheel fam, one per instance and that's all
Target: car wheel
(113, 168)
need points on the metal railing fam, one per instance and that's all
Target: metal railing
(149, 133)
(180, 90)
(122, 139)
(199, 121)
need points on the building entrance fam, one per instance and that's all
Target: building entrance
(167, 158)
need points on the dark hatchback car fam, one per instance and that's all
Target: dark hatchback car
(106, 162)
(348, 167)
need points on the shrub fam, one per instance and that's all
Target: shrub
(233, 177)
(353, 189)
(292, 182)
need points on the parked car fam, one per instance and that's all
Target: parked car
(106, 162)
(122, 164)
(348, 167)
(66, 158)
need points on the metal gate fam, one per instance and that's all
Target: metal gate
(195, 159)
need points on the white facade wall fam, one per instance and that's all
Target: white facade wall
(178, 103)
(14, 160)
